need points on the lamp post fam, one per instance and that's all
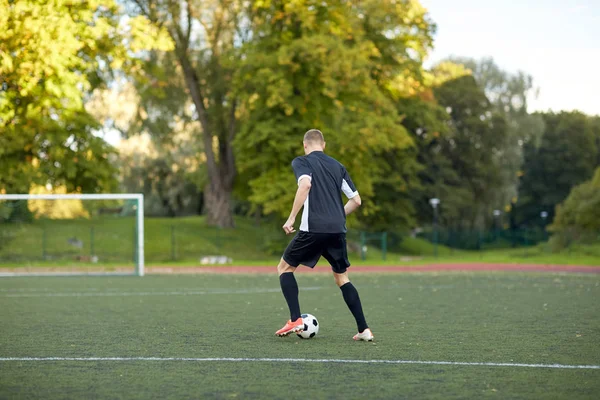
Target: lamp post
(434, 203)
(496, 225)
(544, 215)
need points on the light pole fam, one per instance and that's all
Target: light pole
(496, 226)
(544, 215)
(434, 203)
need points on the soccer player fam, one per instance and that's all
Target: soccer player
(321, 181)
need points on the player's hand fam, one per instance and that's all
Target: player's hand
(288, 227)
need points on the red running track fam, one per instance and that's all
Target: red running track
(385, 269)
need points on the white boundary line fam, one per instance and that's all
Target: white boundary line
(300, 360)
(69, 274)
(151, 293)
(73, 196)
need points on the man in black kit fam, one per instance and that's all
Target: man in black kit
(321, 182)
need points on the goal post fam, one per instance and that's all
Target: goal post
(139, 222)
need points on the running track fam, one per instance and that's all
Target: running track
(465, 267)
(252, 270)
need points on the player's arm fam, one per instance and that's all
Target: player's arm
(303, 174)
(301, 195)
(351, 193)
(352, 204)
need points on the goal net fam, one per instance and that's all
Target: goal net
(71, 234)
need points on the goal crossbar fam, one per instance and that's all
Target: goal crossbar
(138, 197)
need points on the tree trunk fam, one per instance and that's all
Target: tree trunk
(218, 206)
(217, 194)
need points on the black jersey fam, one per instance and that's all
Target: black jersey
(323, 209)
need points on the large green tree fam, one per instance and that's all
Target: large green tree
(476, 134)
(508, 93)
(429, 125)
(328, 65)
(53, 54)
(161, 155)
(207, 37)
(565, 157)
(50, 54)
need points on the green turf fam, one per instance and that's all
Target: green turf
(521, 318)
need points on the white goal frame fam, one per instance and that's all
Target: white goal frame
(139, 268)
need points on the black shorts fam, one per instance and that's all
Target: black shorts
(307, 247)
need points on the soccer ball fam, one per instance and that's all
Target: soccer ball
(311, 327)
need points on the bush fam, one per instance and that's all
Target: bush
(578, 217)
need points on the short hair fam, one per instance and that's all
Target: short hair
(314, 136)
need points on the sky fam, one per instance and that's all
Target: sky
(555, 41)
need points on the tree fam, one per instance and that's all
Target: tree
(566, 156)
(476, 134)
(429, 124)
(578, 217)
(161, 156)
(53, 54)
(168, 174)
(595, 121)
(508, 93)
(328, 66)
(50, 53)
(207, 35)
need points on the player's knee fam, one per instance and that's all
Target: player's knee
(341, 279)
(284, 267)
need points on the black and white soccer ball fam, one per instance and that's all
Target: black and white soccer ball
(311, 327)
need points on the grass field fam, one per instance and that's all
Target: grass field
(183, 241)
(483, 317)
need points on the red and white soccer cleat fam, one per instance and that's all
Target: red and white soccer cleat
(291, 327)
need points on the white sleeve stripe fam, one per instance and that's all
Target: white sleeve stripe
(347, 190)
(304, 176)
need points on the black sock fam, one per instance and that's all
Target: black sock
(289, 287)
(353, 301)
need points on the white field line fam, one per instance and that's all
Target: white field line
(170, 293)
(113, 289)
(299, 360)
(63, 274)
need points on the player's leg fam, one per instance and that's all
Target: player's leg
(289, 288)
(301, 250)
(354, 304)
(337, 254)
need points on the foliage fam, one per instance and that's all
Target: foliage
(565, 158)
(508, 93)
(327, 66)
(207, 35)
(53, 54)
(578, 217)
(412, 175)
(168, 175)
(475, 135)
(595, 122)
(56, 209)
(428, 122)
